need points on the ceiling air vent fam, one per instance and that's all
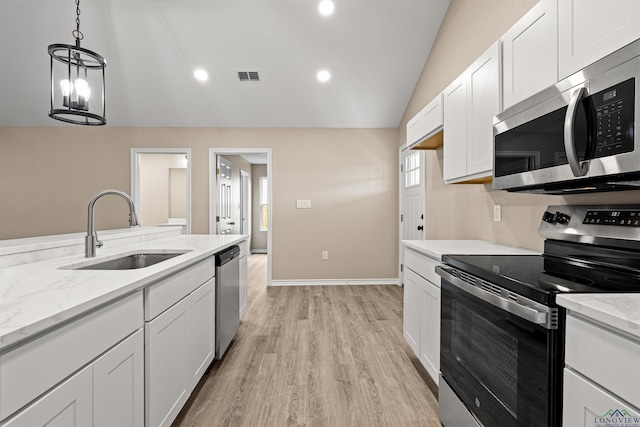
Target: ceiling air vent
(248, 76)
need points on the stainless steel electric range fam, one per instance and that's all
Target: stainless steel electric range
(502, 333)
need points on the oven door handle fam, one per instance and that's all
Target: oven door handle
(533, 315)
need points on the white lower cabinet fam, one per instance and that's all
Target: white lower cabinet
(601, 375)
(587, 405)
(430, 329)
(118, 385)
(167, 361)
(201, 330)
(411, 309)
(67, 405)
(243, 285)
(108, 392)
(179, 347)
(421, 317)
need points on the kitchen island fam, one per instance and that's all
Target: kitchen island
(97, 347)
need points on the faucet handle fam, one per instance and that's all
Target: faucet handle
(99, 243)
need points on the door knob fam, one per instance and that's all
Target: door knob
(420, 228)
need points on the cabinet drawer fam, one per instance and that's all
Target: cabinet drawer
(605, 357)
(31, 369)
(165, 293)
(423, 265)
(586, 405)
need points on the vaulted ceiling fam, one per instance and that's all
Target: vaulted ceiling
(374, 49)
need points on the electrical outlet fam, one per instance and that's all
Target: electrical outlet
(497, 213)
(325, 254)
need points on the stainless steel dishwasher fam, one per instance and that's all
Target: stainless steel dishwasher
(227, 297)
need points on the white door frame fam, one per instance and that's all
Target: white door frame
(135, 175)
(245, 203)
(213, 193)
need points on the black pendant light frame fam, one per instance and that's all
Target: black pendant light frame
(81, 62)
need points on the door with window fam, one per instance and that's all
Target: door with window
(412, 198)
(224, 200)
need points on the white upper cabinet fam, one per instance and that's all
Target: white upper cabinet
(426, 122)
(591, 29)
(455, 129)
(530, 53)
(470, 103)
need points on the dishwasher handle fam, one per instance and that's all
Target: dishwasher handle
(227, 255)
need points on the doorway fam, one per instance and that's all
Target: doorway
(253, 214)
(412, 198)
(161, 186)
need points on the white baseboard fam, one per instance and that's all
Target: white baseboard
(332, 282)
(258, 251)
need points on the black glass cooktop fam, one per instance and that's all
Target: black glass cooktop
(542, 277)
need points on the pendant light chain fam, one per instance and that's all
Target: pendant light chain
(77, 34)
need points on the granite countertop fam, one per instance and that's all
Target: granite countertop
(618, 311)
(38, 296)
(437, 248)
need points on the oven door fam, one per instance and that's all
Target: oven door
(504, 369)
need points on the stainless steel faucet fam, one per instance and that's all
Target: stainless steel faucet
(91, 239)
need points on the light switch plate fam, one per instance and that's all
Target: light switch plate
(303, 204)
(497, 213)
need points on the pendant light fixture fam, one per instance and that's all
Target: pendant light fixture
(77, 82)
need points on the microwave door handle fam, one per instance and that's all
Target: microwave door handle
(577, 167)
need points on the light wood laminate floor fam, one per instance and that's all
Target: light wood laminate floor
(315, 356)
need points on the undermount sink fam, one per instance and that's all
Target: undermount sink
(128, 262)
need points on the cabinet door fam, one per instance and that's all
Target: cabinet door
(411, 309)
(243, 285)
(68, 405)
(202, 330)
(431, 116)
(166, 363)
(430, 329)
(591, 29)
(587, 405)
(118, 384)
(414, 129)
(455, 129)
(482, 104)
(530, 53)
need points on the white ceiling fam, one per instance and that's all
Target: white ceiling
(375, 50)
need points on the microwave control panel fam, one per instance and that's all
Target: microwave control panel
(613, 109)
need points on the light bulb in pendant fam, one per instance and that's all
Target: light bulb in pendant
(66, 87)
(84, 92)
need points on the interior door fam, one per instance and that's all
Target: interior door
(412, 198)
(224, 199)
(412, 212)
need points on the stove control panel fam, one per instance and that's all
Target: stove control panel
(607, 225)
(620, 218)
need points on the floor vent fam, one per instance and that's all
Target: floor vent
(248, 76)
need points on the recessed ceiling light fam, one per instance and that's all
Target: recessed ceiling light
(324, 75)
(326, 7)
(201, 75)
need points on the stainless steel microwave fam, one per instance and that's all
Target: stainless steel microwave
(575, 136)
